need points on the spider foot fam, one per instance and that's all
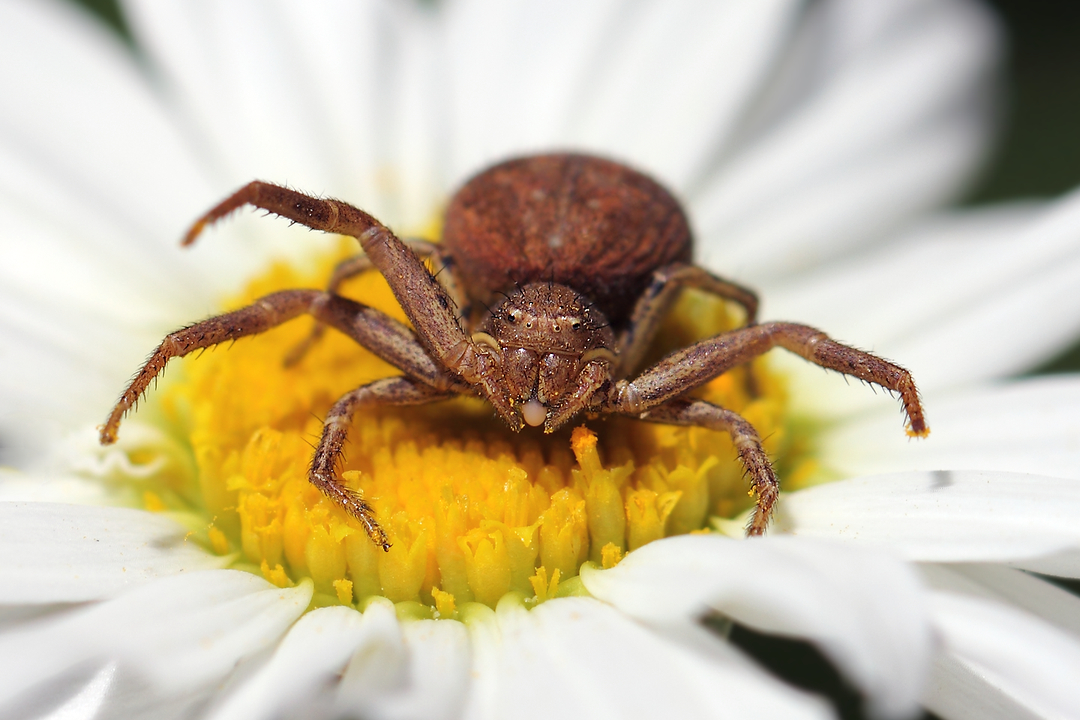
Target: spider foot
(766, 487)
(353, 503)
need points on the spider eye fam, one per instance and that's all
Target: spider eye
(575, 324)
(513, 316)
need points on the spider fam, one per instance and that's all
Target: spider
(556, 272)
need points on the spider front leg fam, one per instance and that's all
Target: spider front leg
(692, 366)
(374, 330)
(653, 395)
(370, 328)
(425, 301)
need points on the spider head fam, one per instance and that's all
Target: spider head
(546, 333)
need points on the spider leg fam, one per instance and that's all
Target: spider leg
(323, 473)
(689, 367)
(653, 304)
(358, 264)
(425, 301)
(747, 443)
(376, 331)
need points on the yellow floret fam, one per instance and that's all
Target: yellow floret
(473, 511)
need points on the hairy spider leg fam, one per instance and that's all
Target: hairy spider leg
(426, 303)
(357, 264)
(653, 305)
(389, 339)
(747, 443)
(689, 367)
(323, 473)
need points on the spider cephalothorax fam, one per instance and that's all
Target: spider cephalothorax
(556, 271)
(547, 337)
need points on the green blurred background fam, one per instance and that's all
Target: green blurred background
(1039, 152)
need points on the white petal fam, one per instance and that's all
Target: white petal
(960, 300)
(430, 674)
(897, 120)
(902, 284)
(312, 653)
(92, 203)
(179, 632)
(54, 378)
(362, 66)
(379, 663)
(1026, 426)
(70, 553)
(83, 693)
(416, 178)
(943, 516)
(98, 130)
(317, 95)
(864, 610)
(132, 697)
(1063, 563)
(1019, 589)
(579, 658)
(88, 702)
(202, 643)
(1020, 660)
(240, 76)
(660, 84)
(838, 211)
(17, 486)
(81, 232)
(1012, 307)
(959, 692)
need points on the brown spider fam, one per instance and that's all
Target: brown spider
(577, 260)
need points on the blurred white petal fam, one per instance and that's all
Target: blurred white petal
(179, 632)
(1022, 662)
(1025, 426)
(862, 609)
(942, 516)
(242, 84)
(959, 692)
(1014, 587)
(572, 646)
(71, 553)
(16, 486)
(995, 320)
(87, 704)
(659, 84)
(311, 654)
(98, 133)
(886, 124)
(963, 299)
(430, 674)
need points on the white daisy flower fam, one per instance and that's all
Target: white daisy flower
(190, 571)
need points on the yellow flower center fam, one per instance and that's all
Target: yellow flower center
(473, 510)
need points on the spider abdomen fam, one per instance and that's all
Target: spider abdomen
(591, 224)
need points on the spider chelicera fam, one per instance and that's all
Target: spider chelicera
(556, 271)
